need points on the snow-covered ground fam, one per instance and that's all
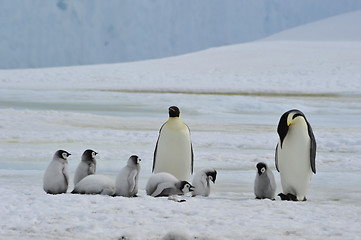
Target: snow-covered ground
(230, 97)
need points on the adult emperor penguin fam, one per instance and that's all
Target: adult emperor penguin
(264, 183)
(295, 155)
(95, 184)
(173, 151)
(165, 184)
(126, 183)
(87, 165)
(201, 181)
(56, 177)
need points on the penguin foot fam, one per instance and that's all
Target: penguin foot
(288, 197)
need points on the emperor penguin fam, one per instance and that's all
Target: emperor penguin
(295, 155)
(173, 151)
(126, 183)
(56, 177)
(264, 183)
(201, 181)
(165, 184)
(87, 165)
(95, 184)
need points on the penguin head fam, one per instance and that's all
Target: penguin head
(173, 111)
(287, 119)
(186, 187)
(261, 168)
(88, 155)
(62, 154)
(133, 160)
(211, 175)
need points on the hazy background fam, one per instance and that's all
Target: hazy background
(40, 33)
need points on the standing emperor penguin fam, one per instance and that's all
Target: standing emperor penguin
(174, 152)
(87, 165)
(264, 183)
(126, 183)
(295, 155)
(56, 177)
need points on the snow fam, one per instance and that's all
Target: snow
(62, 32)
(231, 98)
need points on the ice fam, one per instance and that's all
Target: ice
(231, 98)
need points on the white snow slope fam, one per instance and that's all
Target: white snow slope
(61, 32)
(230, 97)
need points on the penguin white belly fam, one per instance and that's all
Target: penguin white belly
(174, 154)
(294, 162)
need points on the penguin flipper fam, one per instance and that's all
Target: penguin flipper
(192, 158)
(156, 147)
(131, 180)
(91, 169)
(312, 148)
(161, 187)
(66, 176)
(192, 155)
(276, 158)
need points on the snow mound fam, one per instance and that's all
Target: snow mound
(343, 27)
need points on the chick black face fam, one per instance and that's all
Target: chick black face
(135, 159)
(62, 154)
(261, 168)
(212, 175)
(89, 155)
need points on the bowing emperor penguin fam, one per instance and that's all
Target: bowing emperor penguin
(173, 151)
(126, 183)
(264, 183)
(201, 181)
(56, 177)
(87, 165)
(295, 155)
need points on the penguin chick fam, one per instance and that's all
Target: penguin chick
(56, 177)
(201, 181)
(173, 151)
(295, 155)
(126, 183)
(95, 184)
(264, 184)
(87, 165)
(165, 184)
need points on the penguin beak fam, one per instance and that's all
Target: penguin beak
(191, 188)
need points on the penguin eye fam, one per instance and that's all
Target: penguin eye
(187, 186)
(94, 154)
(263, 170)
(211, 178)
(65, 155)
